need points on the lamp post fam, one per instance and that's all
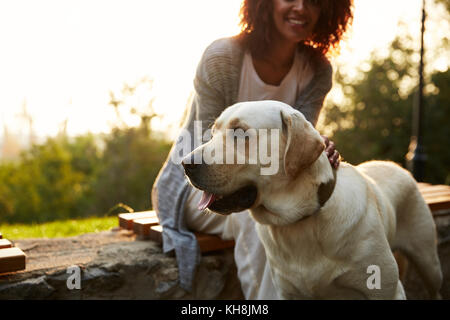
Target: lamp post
(416, 156)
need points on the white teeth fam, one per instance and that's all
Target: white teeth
(299, 22)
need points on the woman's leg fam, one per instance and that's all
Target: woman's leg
(253, 269)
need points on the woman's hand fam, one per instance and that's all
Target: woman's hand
(333, 154)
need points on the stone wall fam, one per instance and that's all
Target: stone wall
(114, 265)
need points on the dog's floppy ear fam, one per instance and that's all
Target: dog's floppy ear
(303, 143)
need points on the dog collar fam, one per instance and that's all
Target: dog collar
(326, 189)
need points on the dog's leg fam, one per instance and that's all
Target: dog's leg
(416, 238)
(400, 293)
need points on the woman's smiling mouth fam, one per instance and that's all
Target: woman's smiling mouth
(299, 22)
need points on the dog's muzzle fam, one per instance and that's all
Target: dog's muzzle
(237, 201)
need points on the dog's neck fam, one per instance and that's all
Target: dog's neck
(319, 181)
(326, 189)
(326, 177)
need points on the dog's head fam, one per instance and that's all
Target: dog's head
(257, 150)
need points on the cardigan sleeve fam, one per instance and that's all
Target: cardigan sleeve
(171, 188)
(310, 100)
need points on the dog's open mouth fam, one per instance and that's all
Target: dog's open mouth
(239, 200)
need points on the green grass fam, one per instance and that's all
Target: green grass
(57, 229)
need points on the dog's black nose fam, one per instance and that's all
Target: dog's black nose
(189, 164)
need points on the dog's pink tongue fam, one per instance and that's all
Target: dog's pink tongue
(206, 200)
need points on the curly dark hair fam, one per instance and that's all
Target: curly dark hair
(257, 23)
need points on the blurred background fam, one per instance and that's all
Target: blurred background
(92, 94)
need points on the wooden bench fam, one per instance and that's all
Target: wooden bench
(437, 197)
(146, 224)
(11, 258)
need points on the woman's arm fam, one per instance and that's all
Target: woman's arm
(310, 102)
(170, 191)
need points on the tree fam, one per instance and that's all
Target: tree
(86, 175)
(133, 156)
(374, 121)
(49, 181)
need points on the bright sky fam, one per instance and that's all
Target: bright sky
(63, 57)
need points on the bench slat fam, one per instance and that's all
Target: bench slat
(436, 196)
(206, 242)
(126, 219)
(142, 226)
(12, 259)
(4, 243)
(433, 189)
(436, 193)
(439, 203)
(155, 233)
(210, 243)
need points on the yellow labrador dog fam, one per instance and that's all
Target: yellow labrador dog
(328, 234)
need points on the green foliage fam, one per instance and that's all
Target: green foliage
(132, 160)
(83, 176)
(437, 130)
(50, 181)
(375, 121)
(57, 229)
(132, 157)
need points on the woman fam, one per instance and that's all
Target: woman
(279, 55)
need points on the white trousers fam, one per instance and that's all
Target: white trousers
(253, 269)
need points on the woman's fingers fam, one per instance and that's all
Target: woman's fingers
(331, 148)
(334, 159)
(332, 153)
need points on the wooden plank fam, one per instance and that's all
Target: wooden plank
(155, 233)
(12, 259)
(423, 184)
(126, 219)
(433, 189)
(142, 226)
(208, 242)
(436, 193)
(4, 243)
(439, 203)
(436, 196)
